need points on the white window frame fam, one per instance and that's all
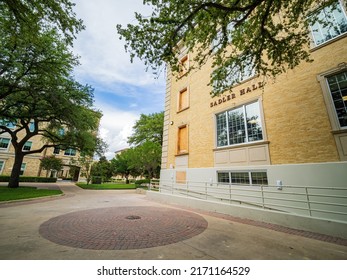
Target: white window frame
(23, 168)
(314, 26)
(9, 142)
(8, 124)
(68, 152)
(339, 133)
(244, 73)
(56, 151)
(332, 101)
(248, 172)
(2, 165)
(27, 146)
(246, 136)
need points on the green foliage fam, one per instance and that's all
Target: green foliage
(37, 15)
(106, 186)
(85, 163)
(138, 183)
(142, 160)
(51, 163)
(102, 169)
(270, 36)
(148, 128)
(37, 90)
(148, 159)
(30, 179)
(123, 164)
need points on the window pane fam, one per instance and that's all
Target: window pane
(222, 137)
(223, 177)
(22, 169)
(233, 127)
(338, 89)
(216, 42)
(259, 178)
(237, 131)
(330, 23)
(27, 146)
(4, 143)
(70, 152)
(254, 127)
(239, 178)
(8, 124)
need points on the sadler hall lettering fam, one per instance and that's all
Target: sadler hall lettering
(233, 95)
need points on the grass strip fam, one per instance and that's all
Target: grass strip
(106, 186)
(8, 194)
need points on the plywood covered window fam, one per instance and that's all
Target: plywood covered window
(181, 177)
(183, 65)
(182, 141)
(183, 99)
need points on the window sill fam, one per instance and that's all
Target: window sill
(340, 131)
(315, 48)
(182, 110)
(243, 145)
(182, 154)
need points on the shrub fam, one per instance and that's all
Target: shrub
(139, 183)
(30, 179)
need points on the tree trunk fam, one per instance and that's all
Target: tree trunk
(14, 179)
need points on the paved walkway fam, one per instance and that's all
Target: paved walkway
(114, 224)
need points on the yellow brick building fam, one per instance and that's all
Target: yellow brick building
(31, 163)
(290, 131)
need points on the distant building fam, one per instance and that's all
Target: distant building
(31, 164)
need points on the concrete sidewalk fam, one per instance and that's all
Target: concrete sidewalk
(41, 229)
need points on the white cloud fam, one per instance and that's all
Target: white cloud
(123, 90)
(102, 53)
(115, 128)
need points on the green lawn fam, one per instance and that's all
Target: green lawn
(106, 186)
(7, 194)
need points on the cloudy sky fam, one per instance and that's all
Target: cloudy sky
(123, 90)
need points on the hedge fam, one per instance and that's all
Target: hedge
(30, 179)
(138, 183)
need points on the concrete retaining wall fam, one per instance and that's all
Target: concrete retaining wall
(328, 227)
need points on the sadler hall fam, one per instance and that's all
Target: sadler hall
(273, 145)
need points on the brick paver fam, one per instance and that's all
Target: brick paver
(122, 228)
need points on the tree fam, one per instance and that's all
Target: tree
(51, 163)
(102, 168)
(148, 128)
(270, 36)
(85, 161)
(35, 15)
(123, 164)
(148, 159)
(40, 97)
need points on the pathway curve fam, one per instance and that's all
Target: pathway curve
(130, 223)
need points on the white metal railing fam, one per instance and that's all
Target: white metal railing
(314, 201)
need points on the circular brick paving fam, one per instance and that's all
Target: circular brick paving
(122, 228)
